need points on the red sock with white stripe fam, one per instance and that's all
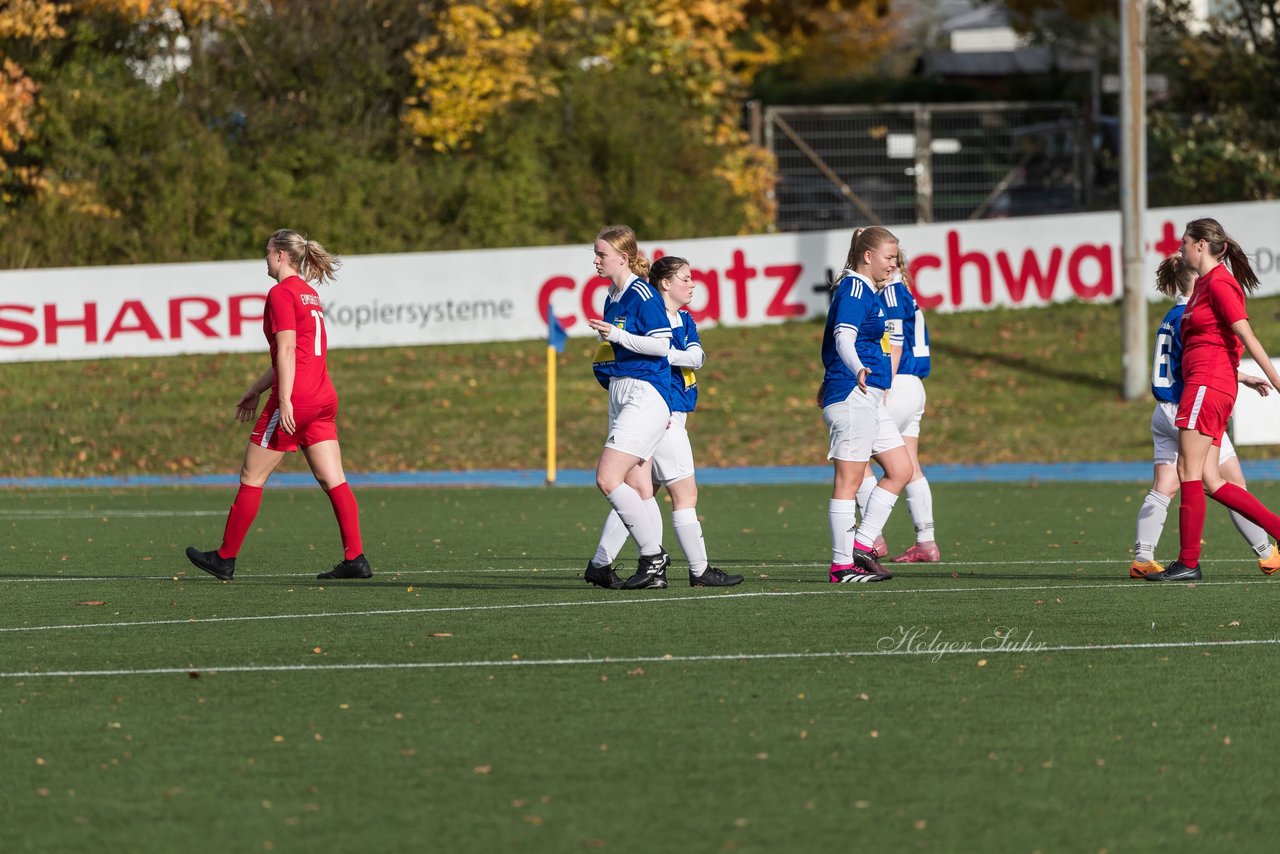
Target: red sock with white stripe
(244, 509)
(1243, 502)
(348, 513)
(1190, 522)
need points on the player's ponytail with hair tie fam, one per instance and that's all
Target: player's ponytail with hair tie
(1170, 275)
(1240, 266)
(640, 265)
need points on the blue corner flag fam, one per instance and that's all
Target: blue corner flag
(555, 332)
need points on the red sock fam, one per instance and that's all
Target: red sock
(348, 513)
(1243, 502)
(1190, 522)
(243, 511)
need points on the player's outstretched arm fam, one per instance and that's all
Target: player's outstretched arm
(1254, 348)
(1258, 384)
(247, 405)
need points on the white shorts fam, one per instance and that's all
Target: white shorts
(906, 404)
(673, 460)
(638, 417)
(860, 426)
(1164, 436)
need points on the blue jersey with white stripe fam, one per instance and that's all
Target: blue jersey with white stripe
(855, 308)
(901, 307)
(638, 309)
(1166, 365)
(684, 382)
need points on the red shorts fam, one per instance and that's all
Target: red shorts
(315, 424)
(1205, 410)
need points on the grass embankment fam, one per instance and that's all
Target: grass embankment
(1029, 385)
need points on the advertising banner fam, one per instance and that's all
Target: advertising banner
(423, 298)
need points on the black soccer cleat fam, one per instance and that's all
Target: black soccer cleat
(651, 573)
(857, 575)
(867, 562)
(357, 567)
(713, 577)
(1176, 571)
(223, 568)
(602, 576)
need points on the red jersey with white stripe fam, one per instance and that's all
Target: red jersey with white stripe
(293, 304)
(1210, 350)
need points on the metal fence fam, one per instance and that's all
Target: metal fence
(844, 166)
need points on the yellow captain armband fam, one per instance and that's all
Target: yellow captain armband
(604, 353)
(884, 343)
(690, 378)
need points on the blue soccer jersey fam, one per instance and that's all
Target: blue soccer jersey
(639, 310)
(901, 306)
(1166, 365)
(855, 308)
(684, 382)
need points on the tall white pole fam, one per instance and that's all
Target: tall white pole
(1133, 195)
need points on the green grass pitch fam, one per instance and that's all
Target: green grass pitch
(476, 695)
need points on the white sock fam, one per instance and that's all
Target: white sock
(879, 505)
(920, 506)
(1151, 516)
(842, 515)
(631, 510)
(1253, 535)
(689, 533)
(612, 538)
(655, 516)
(864, 491)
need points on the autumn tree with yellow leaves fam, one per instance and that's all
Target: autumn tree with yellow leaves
(161, 130)
(487, 56)
(25, 20)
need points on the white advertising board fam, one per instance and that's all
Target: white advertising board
(1255, 420)
(495, 295)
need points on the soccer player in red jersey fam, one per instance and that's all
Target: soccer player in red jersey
(1175, 279)
(1215, 329)
(300, 412)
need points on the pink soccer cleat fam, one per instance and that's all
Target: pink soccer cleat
(920, 553)
(881, 548)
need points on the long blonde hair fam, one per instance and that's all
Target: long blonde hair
(312, 261)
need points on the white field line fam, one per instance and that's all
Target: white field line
(1017, 649)
(103, 514)
(622, 599)
(1121, 573)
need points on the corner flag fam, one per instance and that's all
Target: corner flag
(555, 344)
(555, 332)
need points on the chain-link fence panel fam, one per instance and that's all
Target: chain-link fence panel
(856, 165)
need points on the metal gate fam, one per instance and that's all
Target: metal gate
(843, 166)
